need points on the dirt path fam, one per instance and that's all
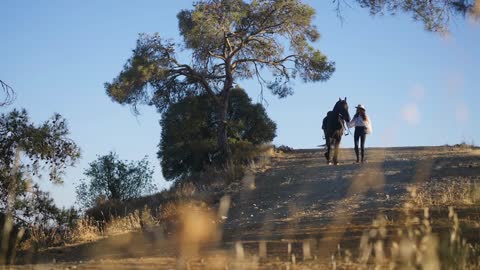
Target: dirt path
(301, 197)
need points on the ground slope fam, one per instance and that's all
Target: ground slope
(301, 197)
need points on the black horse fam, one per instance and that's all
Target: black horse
(334, 126)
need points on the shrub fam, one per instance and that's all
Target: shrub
(113, 179)
(189, 140)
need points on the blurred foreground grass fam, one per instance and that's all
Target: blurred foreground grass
(411, 208)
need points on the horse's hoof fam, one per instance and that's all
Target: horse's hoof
(329, 163)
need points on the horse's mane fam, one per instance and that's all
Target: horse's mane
(336, 107)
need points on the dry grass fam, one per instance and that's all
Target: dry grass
(411, 242)
(264, 158)
(126, 224)
(206, 188)
(85, 230)
(414, 245)
(451, 191)
(109, 220)
(40, 237)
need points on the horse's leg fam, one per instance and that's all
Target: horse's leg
(335, 150)
(327, 154)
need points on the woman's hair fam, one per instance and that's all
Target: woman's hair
(362, 114)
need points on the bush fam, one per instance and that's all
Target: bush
(113, 179)
(189, 134)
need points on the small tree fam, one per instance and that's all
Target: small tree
(27, 150)
(229, 40)
(113, 179)
(188, 139)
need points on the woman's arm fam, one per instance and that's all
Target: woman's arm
(351, 124)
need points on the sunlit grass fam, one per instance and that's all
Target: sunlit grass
(187, 230)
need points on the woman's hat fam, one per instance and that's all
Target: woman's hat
(360, 106)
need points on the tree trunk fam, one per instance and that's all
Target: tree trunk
(226, 153)
(223, 99)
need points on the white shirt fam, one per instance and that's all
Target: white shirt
(357, 121)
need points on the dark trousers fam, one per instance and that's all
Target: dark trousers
(360, 135)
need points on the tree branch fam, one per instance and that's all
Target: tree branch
(256, 60)
(9, 94)
(199, 78)
(216, 55)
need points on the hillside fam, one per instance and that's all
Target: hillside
(301, 196)
(301, 202)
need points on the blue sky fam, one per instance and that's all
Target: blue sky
(419, 88)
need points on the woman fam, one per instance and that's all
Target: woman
(363, 126)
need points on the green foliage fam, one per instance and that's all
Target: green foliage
(189, 134)
(434, 15)
(113, 179)
(228, 40)
(27, 150)
(234, 39)
(47, 142)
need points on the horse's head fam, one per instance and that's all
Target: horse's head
(341, 107)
